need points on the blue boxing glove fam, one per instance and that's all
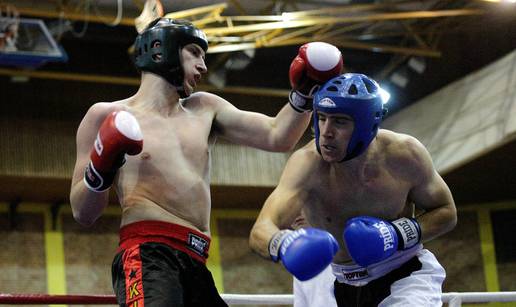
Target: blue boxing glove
(305, 252)
(370, 240)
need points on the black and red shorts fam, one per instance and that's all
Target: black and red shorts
(163, 264)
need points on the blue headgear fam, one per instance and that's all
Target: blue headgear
(165, 60)
(358, 96)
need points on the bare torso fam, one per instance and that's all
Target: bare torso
(377, 187)
(169, 180)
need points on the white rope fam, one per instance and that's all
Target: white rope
(247, 299)
(455, 299)
(481, 297)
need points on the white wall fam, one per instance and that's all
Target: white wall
(466, 118)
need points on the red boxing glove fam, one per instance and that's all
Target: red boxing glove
(316, 63)
(118, 135)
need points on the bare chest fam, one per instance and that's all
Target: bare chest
(184, 139)
(169, 179)
(375, 192)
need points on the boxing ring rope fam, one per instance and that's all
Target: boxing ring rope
(454, 299)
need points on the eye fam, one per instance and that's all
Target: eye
(343, 121)
(196, 52)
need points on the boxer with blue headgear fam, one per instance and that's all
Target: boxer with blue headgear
(358, 96)
(361, 212)
(158, 48)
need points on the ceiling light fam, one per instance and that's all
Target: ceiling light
(400, 78)
(418, 64)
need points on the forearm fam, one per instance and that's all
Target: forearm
(437, 222)
(260, 236)
(87, 206)
(288, 127)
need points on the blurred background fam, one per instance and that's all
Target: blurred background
(449, 66)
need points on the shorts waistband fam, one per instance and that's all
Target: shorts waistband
(358, 276)
(187, 240)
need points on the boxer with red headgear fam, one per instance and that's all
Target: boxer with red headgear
(357, 186)
(154, 150)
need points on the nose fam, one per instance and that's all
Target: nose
(326, 129)
(201, 67)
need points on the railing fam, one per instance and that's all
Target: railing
(454, 299)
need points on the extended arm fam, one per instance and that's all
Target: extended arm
(280, 133)
(315, 64)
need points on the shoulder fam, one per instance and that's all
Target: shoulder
(400, 145)
(98, 112)
(307, 153)
(304, 162)
(404, 152)
(205, 99)
(101, 109)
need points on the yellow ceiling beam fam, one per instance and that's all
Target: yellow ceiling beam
(387, 48)
(345, 9)
(340, 43)
(294, 34)
(264, 40)
(52, 75)
(334, 20)
(81, 16)
(342, 29)
(214, 9)
(245, 32)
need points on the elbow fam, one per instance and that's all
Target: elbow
(283, 146)
(82, 218)
(451, 219)
(288, 147)
(257, 243)
(253, 241)
(83, 221)
(85, 211)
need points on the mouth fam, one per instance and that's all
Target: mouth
(329, 147)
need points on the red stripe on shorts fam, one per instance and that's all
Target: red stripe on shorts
(190, 241)
(133, 277)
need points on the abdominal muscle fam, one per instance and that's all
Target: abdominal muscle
(181, 198)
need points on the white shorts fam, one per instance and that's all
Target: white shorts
(317, 291)
(421, 287)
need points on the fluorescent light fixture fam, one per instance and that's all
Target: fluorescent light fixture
(418, 64)
(400, 78)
